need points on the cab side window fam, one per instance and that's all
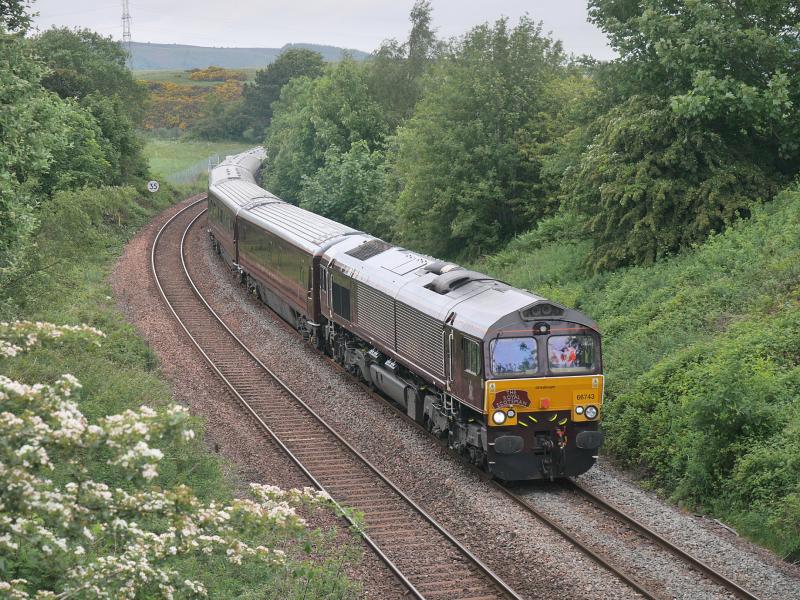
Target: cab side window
(471, 356)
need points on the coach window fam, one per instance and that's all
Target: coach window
(341, 300)
(323, 279)
(470, 352)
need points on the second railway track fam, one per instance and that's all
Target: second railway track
(424, 556)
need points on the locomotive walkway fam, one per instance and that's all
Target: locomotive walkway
(427, 559)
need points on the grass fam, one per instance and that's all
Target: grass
(702, 354)
(182, 161)
(80, 236)
(182, 77)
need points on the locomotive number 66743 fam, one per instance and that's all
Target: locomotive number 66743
(512, 380)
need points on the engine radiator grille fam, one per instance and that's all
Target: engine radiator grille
(375, 313)
(419, 337)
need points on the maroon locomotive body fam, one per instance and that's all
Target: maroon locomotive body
(512, 380)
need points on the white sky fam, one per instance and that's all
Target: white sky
(360, 24)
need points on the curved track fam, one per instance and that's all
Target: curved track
(429, 561)
(600, 558)
(651, 535)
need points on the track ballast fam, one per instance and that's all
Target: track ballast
(429, 561)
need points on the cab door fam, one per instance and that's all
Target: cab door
(467, 370)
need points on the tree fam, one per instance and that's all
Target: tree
(421, 38)
(349, 189)
(27, 135)
(396, 69)
(651, 183)
(91, 69)
(313, 116)
(49, 144)
(14, 15)
(266, 89)
(83, 62)
(467, 160)
(707, 95)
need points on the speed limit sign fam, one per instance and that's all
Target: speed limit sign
(152, 186)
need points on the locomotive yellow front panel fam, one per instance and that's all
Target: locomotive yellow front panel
(579, 397)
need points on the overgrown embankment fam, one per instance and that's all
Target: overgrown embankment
(702, 353)
(79, 236)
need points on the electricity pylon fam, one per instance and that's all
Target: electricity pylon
(126, 28)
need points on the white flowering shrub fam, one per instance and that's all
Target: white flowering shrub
(20, 336)
(65, 535)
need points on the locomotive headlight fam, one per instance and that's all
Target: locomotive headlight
(511, 414)
(578, 410)
(499, 417)
(591, 412)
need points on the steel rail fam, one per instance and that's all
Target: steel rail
(596, 557)
(370, 542)
(495, 579)
(733, 587)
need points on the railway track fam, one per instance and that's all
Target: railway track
(426, 559)
(651, 589)
(661, 541)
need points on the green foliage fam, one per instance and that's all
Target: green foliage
(15, 15)
(27, 135)
(703, 362)
(396, 69)
(652, 183)
(91, 69)
(469, 160)
(313, 116)
(349, 188)
(122, 147)
(82, 62)
(80, 235)
(49, 144)
(221, 119)
(708, 93)
(266, 89)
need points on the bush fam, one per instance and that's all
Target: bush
(217, 74)
(80, 234)
(702, 354)
(651, 184)
(63, 532)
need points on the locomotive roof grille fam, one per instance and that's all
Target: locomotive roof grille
(369, 249)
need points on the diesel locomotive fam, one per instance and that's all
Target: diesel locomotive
(512, 380)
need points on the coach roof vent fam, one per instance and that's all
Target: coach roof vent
(452, 280)
(369, 249)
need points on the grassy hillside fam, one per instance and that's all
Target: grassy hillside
(178, 56)
(702, 353)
